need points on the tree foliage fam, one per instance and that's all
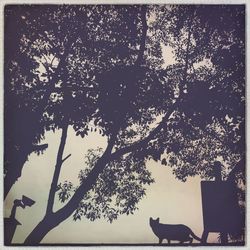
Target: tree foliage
(117, 190)
(208, 44)
(100, 67)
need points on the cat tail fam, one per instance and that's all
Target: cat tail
(194, 236)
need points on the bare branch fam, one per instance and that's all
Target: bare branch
(39, 147)
(66, 158)
(58, 166)
(142, 143)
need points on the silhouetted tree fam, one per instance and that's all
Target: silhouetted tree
(212, 36)
(35, 60)
(109, 76)
(210, 111)
(24, 126)
(115, 48)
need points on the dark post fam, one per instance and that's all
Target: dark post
(214, 200)
(11, 223)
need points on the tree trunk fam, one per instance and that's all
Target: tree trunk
(51, 220)
(59, 162)
(43, 227)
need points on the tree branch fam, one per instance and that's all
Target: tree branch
(58, 166)
(88, 183)
(39, 147)
(107, 156)
(66, 158)
(142, 143)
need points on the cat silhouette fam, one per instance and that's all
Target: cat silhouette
(170, 232)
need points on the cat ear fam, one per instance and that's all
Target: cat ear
(158, 219)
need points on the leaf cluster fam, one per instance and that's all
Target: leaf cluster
(117, 190)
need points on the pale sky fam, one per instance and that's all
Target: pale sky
(173, 201)
(167, 198)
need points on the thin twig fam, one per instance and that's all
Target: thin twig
(66, 158)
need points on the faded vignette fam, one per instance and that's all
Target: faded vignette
(132, 2)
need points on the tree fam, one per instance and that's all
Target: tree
(110, 77)
(36, 42)
(19, 107)
(81, 128)
(213, 99)
(217, 99)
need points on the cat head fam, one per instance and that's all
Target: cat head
(153, 222)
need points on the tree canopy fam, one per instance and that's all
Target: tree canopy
(101, 67)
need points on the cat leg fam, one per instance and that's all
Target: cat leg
(169, 241)
(160, 240)
(190, 240)
(204, 237)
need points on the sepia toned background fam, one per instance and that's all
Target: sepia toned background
(173, 201)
